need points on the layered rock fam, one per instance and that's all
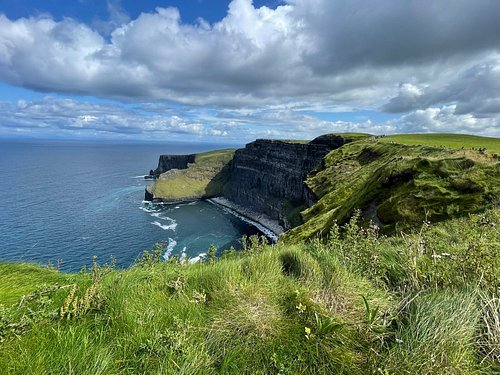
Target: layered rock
(168, 162)
(268, 176)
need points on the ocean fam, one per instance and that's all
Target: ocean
(71, 201)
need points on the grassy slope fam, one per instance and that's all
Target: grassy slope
(277, 310)
(399, 185)
(459, 141)
(23, 279)
(203, 178)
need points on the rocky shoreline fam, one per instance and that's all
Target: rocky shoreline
(271, 228)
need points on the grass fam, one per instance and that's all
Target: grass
(20, 279)
(398, 186)
(241, 314)
(456, 141)
(358, 303)
(202, 179)
(438, 337)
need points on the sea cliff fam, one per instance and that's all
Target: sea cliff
(168, 162)
(307, 187)
(266, 176)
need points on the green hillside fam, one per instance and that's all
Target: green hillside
(398, 186)
(202, 179)
(458, 141)
(423, 303)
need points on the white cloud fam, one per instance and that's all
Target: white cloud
(408, 57)
(445, 120)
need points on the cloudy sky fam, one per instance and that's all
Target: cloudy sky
(232, 71)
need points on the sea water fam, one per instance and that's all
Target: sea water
(71, 201)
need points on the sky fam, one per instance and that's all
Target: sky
(232, 71)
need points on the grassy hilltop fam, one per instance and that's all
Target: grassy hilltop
(350, 301)
(457, 141)
(399, 186)
(202, 179)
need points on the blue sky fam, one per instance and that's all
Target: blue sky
(233, 71)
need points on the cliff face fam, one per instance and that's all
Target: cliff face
(168, 162)
(268, 176)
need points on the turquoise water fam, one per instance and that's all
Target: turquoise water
(71, 201)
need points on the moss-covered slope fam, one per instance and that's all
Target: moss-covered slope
(398, 186)
(202, 179)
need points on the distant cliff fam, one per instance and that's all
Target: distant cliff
(190, 177)
(168, 162)
(268, 176)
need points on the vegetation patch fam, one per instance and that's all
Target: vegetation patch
(358, 303)
(455, 141)
(204, 178)
(398, 186)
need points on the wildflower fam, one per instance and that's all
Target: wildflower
(308, 333)
(301, 307)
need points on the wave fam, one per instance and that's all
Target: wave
(183, 257)
(268, 233)
(170, 248)
(147, 209)
(197, 258)
(166, 227)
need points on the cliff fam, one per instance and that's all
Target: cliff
(398, 186)
(168, 162)
(190, 177)
(268, 175)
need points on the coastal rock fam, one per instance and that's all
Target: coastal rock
(268, 176)
(148, 196)
(168, 162)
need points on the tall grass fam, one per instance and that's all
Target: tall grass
(357, 303)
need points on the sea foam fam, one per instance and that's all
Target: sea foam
(171, 226)
(170, 248)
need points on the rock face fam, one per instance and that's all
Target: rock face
(268, 175)
(168, 162)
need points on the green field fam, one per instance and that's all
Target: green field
(459, 141)
(202, 179)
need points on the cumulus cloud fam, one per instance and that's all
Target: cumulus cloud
(474, 89)
(408, 57)
(298, 49)
(56, 115)
(445, 120)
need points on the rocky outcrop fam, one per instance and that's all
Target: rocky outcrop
(268, 176)
(168, 162)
